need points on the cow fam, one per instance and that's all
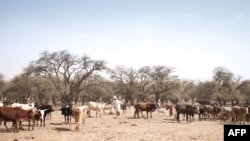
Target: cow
(95, 106)
(66, 112)
(9, 114)
(203, 101)
(108, 107)
(44, 110)
(25, 106)
(171, 108)
(148, 107)
(19, 115)
(50, 108)
(186, 109)
(248, 115)
(38, 117)
(207, 110)
(225, 112)
(161, 110)
(27, 115)
(239, 113)
(78, 115)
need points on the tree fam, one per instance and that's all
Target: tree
(144, 83)
(2, 82)
(244, 89)
(226, 86)
(162, 80)
(67, 72)
(95, 88)
(126, 81)
(19, 89)
(45, 91)
(205, 90)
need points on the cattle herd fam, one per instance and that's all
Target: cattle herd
(34, 114)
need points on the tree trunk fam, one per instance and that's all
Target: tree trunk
(219, 101)
(54, 101)
(66, 99)
(157, 97)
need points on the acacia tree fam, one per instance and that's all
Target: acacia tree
(95, 88)
(45, 91)
(19, 89)
(244, 89)
(226, 86)
(204, 91)
(144, 83)
(126, 81)
(67, 72)
(162, 81)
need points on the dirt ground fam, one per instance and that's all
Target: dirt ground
(109, 128)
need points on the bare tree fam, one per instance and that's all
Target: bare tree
(66, 72)
(144, 83)
(126, 80)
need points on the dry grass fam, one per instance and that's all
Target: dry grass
(110, 128)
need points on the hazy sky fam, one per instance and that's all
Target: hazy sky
(192, 36)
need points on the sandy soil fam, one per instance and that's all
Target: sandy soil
(126, 128)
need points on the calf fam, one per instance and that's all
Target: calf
(161, 110)
(78, 115)
(142, 106)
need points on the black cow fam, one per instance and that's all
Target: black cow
(44, 110)
(148, 107)
(186, 109)
(67, 111)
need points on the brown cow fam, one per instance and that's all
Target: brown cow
(17, 115)
(148, 107)
(10, 114)
(239, 113)
(27, 115)
(78, 115)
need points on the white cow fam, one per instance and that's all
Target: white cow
(225, 112)
(24, 106)
(161, 110)
(108, 107)
(95, 106)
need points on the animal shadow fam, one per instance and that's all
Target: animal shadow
(55, 123)
(62, 129)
